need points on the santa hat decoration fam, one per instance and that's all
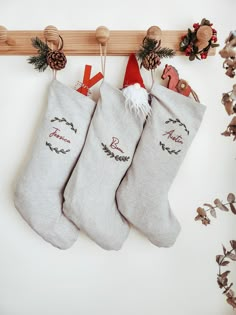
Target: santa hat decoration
(136, 96)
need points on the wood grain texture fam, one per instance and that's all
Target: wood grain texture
(121, 43)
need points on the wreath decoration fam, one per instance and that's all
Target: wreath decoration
(196, 43)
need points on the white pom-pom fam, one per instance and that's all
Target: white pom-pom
(136, 98)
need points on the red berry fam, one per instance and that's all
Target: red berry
(203, 55)
(188, 49)
(214, 38)
(196, 25)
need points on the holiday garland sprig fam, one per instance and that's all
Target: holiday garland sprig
(39, 61)
(55, 59)
(151, 52)
(190, 42)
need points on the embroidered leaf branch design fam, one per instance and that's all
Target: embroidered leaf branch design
(164, 148)
(202, 212)
(115, 156)
(222, 277)
(56, 149)
(174, 121)
(66, 122)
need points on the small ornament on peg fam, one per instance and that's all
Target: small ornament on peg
(102, 35)
(197, 43)
(4, 39)
(55, 59)
(151, 51)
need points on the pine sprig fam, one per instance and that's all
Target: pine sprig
(39, 61)
(165, 52)
(151, 52)
(40, 45)
(153, 45)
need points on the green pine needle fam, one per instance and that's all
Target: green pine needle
(165, 52)
(152, 45)
(39, 61)
(40, 45)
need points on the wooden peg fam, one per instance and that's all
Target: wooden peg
(204, 34)
(51, 35)
(102, 35)
(4, 39)
(154, 32)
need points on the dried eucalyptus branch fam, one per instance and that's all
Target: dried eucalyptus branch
(202, 212)
(222, 278)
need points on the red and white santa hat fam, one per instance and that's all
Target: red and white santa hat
(136, 96)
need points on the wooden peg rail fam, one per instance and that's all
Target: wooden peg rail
(120, 43)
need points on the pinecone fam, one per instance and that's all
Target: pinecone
(151, 61)
(56, 59)
(151, 52)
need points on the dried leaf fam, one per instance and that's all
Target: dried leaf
(230, 293)
(219, 205)
(231, 198)
(222, 282)
(208, 205)
(227, 288)
(213, 213)
(224, 249)
(224, 263)
(197, 218)
(225, 274)
(206, 221)
(233, 244)
(201, 211)
(231, 301)
(232, 208)
(219, 259)
(232, 256)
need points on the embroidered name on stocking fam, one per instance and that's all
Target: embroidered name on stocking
(57, 136)
(173, 139)
(113, 145)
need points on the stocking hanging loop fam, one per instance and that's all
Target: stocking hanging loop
(102, 36)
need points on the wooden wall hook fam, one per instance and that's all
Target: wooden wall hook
(51, 35)
(4, 38)
(102, 35)
(154, 32)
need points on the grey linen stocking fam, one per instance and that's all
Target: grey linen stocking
(90, 194)
(142, 196)
(39, 191)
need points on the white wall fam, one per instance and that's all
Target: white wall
(38, 279)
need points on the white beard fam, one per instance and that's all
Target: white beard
(136, 99)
